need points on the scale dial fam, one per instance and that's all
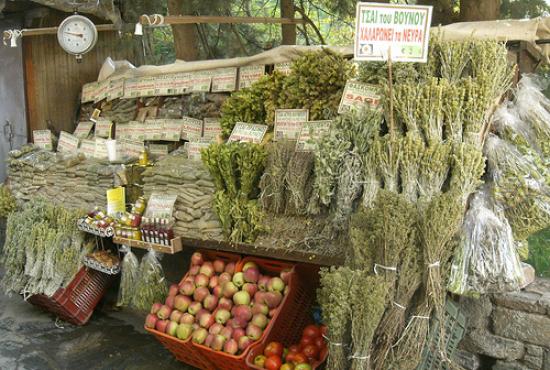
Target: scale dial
(77, 35)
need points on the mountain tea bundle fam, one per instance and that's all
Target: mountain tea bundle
(150, 285)
(128, 277)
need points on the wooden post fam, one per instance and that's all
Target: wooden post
(289, 30)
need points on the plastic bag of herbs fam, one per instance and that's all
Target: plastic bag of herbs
(150, 285)
(520, 187)
(486, 260)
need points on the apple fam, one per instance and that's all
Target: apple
(201, 293)
(194, 308)
(216, 328)
(227, 332)
(276, 284)
(176, 316)
(217, 291)
(219, 266)
(225, 303)
(206, 320)
(210, 302)
(187, 318)
(260, 308)
(224, 278)
(253, 332)
(285, 275)
(250, 288)
(161, 325)
(238, 279)
(170, 301)
(242, 311)
(164, 312)
(272, 299)
(241, 298)
(244, 342)
(230, 268)
(184, 331)
(218, 342)
(260, 320)
(173, 290)
(262, 283)
(209, 339)
(182, 302)
(231, 347)
(238, 333)
(229, 289)
(201, 280)
(251, 275)
(222, 316)
(214, 282)
(250, 264)
(199, 336)
(172, 328)
(151, 320)
(187, 288)
(155, 307)
(207, 269)
(197, 258)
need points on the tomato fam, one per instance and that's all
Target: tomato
(273, 363)
(324, 330)
(320, 342)
(311, 331)
(311, 351)
(295, 348)
(300, 358)
(274, 349)
(306, 341)
(287, 366)
(290, 357)
(259, 361)
(303, 367)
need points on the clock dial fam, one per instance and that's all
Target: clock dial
(77, 35)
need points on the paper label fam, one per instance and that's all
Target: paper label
(116, 89)
(224, 80)
(89, 92)
(194, 149)
(212, 129)
(172, 84)
(139, 87)
(289, 122)
(192, 128)
(132, 149)
(283, 68)
(154, 129)
(101, 149)
(42, 139)
(122, 131)
(358, 95)
(310, 133)
(103, 128)
(248, 132)
(83, 129)
(201, 81)
(158, 150)
(405, 29)
(172, 130)
(137, 131)
(67, 143)
(250, 74)
(160, 206)
(87, 147)
(116, 201)
(102, 90)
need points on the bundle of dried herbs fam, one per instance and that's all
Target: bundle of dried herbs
(325, 74)
(272, 183)
(434, 169)
(298, 182)
(7, 201)
(371, 182)
(412, 151)
(468, 166)
(128, 277)
(388, 158)
(150, 285)
(368, 297)
(334, 297)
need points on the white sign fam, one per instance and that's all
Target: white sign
(224, 80)
(191, 129)
(250, 74)
(160, 206)
(289, 122)
(87, 147)
(310, 134)
(158, 150)
(212, 129)
(358, 95)
(101, 148)
(103, 128)
(42, 139)
(83, 129)
(194, 149)
(403, 29)
(249, 132)
(67, 143)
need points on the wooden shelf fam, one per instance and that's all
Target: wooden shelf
(259, 251)
(175, 246)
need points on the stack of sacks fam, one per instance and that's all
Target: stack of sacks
(74, 181)
(191, 182)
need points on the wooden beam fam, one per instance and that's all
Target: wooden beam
(192, 19)
(53, 30)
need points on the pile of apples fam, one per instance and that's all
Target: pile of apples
(218, 307)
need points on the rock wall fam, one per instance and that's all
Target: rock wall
(510, 331)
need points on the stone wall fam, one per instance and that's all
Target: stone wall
(510, 331)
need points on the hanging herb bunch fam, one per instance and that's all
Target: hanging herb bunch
(236, 169)
(7, 201)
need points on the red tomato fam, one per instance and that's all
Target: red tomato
(274, 349)
(311, 351)
(306, 341)
(295, 348)
(324, 330)
(320, 342)
(273, 363)
(300, 358)
(290, 356)
(311, 331)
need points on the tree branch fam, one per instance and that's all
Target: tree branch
(311, 23)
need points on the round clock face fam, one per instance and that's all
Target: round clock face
(77, 35)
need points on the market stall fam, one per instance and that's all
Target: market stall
(405, 180)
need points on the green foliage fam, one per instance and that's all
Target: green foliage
(518, 9)
(539, 253)
(7, 201)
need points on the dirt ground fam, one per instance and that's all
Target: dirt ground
(31, 339)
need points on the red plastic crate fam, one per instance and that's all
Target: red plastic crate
(76, 302)
(184, 350)
(292, 312)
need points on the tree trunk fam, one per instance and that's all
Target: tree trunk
(442, 12)
(289, 30)
(479, 10)
(185, 35)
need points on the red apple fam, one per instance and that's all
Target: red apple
(172, 328)
(250, 264)
(209, 339)
(225, 303)
(207, 269)
(156, 307)
(187, 288)
(194, 270)
(260, 320)
(201, 280)
(197, 258)
(214, 282)
(210, 302)
(253, 332)
(244, 342)
(224, 278)
(217, 291)
(242, 311)
(227, 332)
(173, 290)
(218, 342)
(250, 288)
(161, 325)
(260, 308)
(151, 320)
(238, 333)
(231, 347)
(219, 266)
(176, 316)
(182, 302)
(262, 283)
(230, 268)
(169, 301)
(201, 293)
(285, 275)
(164, 312)
(216, 328)
(194, 308)
(222, 316)
(251, 275)
(187, 318)
(206, 320)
